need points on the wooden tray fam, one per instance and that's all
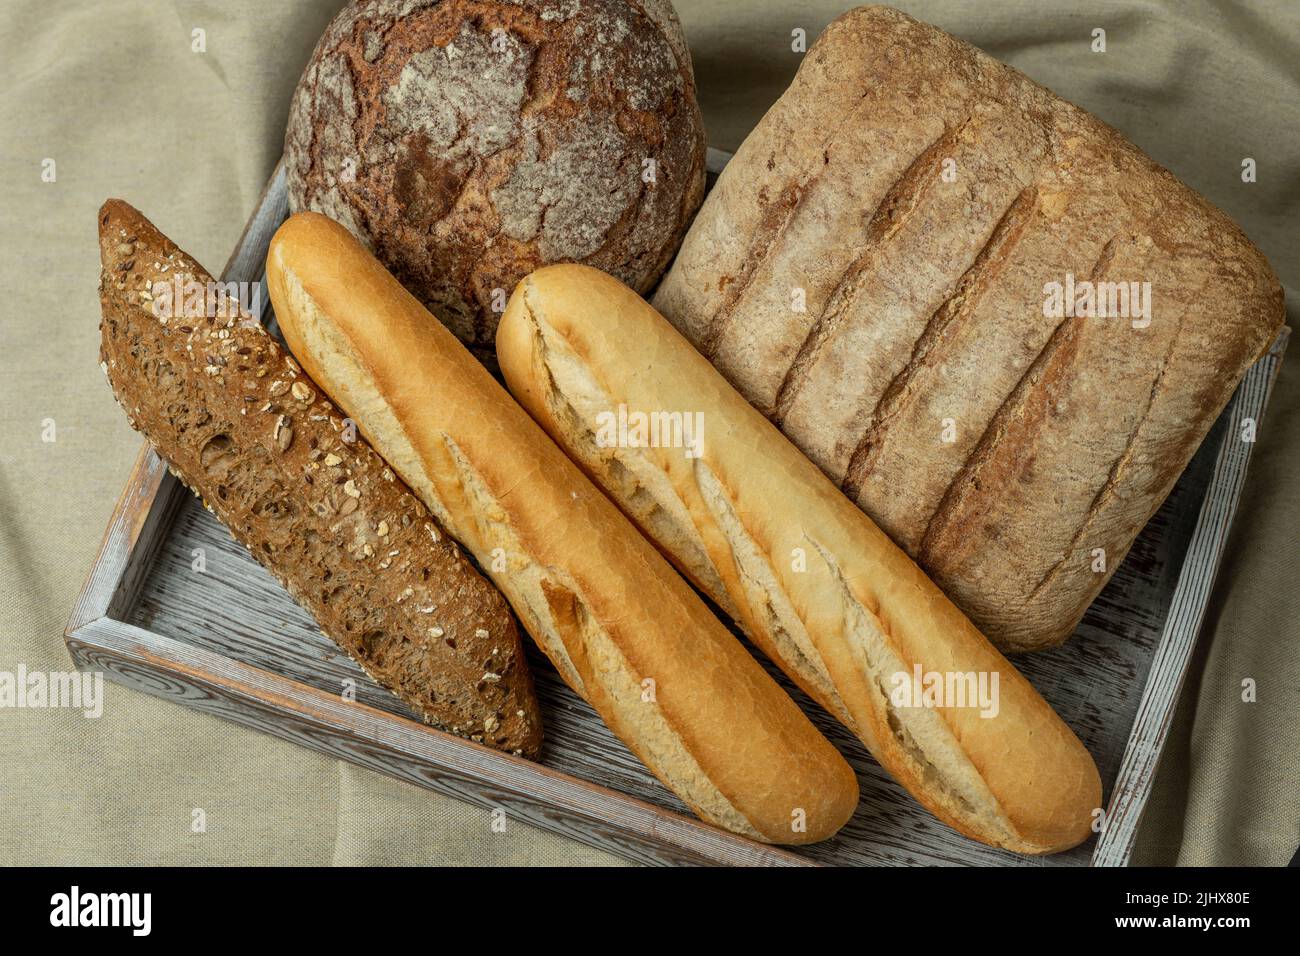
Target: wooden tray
(229, 641)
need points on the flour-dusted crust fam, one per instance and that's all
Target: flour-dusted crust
(891, 321)
(467, 142)
(247, 430)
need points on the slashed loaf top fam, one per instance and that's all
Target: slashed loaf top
(886, 270)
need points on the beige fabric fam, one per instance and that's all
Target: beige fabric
(113, 93)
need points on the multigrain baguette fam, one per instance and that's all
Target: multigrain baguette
(870, 272)
(239, 422)
(811, 580)
(622, 628)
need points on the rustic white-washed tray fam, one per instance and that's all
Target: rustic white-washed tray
(229, 641)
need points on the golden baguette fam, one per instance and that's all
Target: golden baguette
(621, 627)
(810, 578)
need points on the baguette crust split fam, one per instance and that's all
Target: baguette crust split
(621, 627)
(822, 591)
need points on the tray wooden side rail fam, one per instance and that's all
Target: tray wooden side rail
(1187, 609)
(230, 642)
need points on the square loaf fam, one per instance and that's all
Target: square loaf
(886, 270)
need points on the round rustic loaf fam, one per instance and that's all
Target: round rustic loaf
(468, 142)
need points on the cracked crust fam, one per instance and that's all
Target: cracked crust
(467, 142)
(998, 447)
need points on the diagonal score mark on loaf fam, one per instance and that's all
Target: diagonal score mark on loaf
(524, 577)
(921, 243)
(920, 738)
(968, 290)
(765, 604)
(681, 509)
(899, 200)
(1087, 534)
(560, 618)
(776, 219)
(681, 505)
(641, 487)
(937, 770)
(1058, 351)
(778, 216)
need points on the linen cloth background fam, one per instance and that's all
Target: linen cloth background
(112, 92)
